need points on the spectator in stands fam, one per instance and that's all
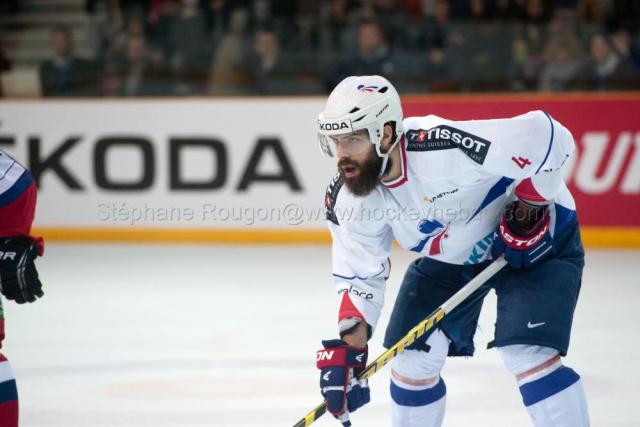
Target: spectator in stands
(392, 18)
(479, 53)
(65, 74)
(333, 32)
(564, 64)
(371, 57)
(537, 11)
(191, 51)
(608, 69)
(625, 46)
(267, 63)
(5, 63)
(430, 30)
(228, 73)
(163, 27)
(138, 73)
(216, 15)
(592, 11)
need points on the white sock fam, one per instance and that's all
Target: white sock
(556, 399)
(418, 406)
(551, 392)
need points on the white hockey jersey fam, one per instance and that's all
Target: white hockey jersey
(457, 177)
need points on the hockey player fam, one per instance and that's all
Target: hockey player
(459, 193)
(18, 276)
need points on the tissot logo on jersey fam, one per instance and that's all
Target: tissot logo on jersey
(446, 137)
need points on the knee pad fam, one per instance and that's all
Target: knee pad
(520, 358)
(419, 364)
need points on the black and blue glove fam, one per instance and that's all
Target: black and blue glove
(18, 275)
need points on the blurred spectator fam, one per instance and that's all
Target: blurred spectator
(564, 64)
(479, 55)
(120, 38)
(65, 74)
(228, 72)
(392, 18)
(609, 69)
(267, 54)
(537, 11)
(190, 50)
(216, 17)
(335, 26)
(272, 72)
(625, 46)
(163, 28)
(592, 11)
(307, 36)
(480, 10)
(371, 57)
(436, 28)
(5, 63)
(138, 73)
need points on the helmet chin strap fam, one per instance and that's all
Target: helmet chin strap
(385, 159)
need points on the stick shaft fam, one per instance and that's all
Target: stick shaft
(418, 331)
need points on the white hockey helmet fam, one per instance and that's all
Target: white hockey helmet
(360, 103)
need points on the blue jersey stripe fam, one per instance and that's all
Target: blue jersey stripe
(8, 391)
(358, 277)
(494, 192)
(16, 190)
(550, 143)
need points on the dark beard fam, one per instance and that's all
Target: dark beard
(367, 179)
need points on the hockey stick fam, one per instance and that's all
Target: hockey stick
(419, 330)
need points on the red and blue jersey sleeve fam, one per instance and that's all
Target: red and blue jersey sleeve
(18, 195)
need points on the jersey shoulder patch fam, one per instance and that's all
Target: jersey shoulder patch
(445, 137)
(331, 197)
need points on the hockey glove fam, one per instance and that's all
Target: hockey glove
(18, 275)
(522, 247)
(339, 366)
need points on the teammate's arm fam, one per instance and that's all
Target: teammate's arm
(18, 249)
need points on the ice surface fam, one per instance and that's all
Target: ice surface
(226, 336)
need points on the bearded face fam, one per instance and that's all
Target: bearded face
(361, 176)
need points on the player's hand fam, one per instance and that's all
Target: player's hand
(18, 275)
(522, 245)
(339, 365)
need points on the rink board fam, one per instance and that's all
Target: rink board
(248, 170)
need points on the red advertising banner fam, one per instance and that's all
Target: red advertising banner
(604, 175)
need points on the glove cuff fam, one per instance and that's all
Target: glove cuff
(339, 353)
(523, 239)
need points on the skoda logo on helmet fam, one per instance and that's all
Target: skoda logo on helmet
(334, 126)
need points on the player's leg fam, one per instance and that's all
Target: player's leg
(8, 390)
(418, 393)
(535, 314)
(551, 392)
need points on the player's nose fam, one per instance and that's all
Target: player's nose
(341, 153)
